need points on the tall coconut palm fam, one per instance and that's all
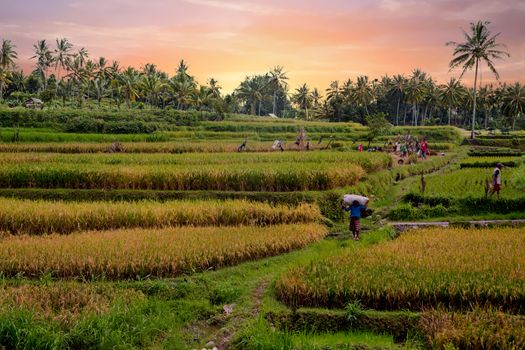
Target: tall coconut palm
(8, 56)
(480, 46)
(415, 93)
(152, 86)
(82, 56)
(363, 93)
(334, 96)
(303, 99)
(514, 102)
(130, 79)
(251, 91)
(62, 55)
(397, 88)
(44, 59)
(451, 95)
(215, 88)
(277, 82)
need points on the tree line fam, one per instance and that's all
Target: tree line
(67, 76)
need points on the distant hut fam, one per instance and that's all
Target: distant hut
(34, 103)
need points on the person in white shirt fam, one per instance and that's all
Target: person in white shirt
(496, 180)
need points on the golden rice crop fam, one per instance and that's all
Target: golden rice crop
(142, 252)
(476, 329)
(63, 301)
(240, 177)
(454, 267)
(41, 217)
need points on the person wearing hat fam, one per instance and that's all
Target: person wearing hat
(496, 180)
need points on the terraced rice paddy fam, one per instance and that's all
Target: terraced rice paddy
(229, 172)
(124, 254)
(45, 217)
(469, 182)
(451, 268)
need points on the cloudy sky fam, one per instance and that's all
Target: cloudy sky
(317, 41)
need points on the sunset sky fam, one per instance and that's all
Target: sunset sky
(316, 41)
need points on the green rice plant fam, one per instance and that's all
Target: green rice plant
(453, 268)
(45, 217)
(490, 162)
(469, 182)
(368, 161)
(129, 254)
(518, 179)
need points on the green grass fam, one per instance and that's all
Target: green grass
(260, 336)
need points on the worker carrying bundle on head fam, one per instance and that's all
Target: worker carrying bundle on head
(358, 207)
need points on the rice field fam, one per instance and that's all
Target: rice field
(370, 162)
(476, 329)
(451, 268)
(65, 301)
(469, 182)
(129, 254)
(490, 162)
(46, 217)
(256, 177)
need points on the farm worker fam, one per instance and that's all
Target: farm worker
(355, 218)
(360, 147)
(496, 180)
(404, 150)
(424, 148)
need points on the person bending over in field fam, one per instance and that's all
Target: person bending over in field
(496, 180)
(355, 210)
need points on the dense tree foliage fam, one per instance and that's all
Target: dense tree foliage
(67, 76)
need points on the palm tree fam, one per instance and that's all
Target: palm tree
(303, 98)
(480, 46)
(334, 96)
(397, 88)
(44, 59)
(514, 102)
(363, 92)
(251, 91)
(277, 81)
(182, 89)
(215, 88)
(18, 80)
(152, 85)
(415, 92)
(62, 55)
(8, 56)
(130, 79)
(451, 95)
(82, 56)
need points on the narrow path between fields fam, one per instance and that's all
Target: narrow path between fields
(224, 339)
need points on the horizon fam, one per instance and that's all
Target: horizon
(315, 43)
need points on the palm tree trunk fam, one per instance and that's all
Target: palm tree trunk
(405, 115)
(414, 114)
(449, 113)
(397, 111)
(274, 102)
(474, 109)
